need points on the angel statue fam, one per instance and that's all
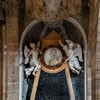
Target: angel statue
(31, 57)
(74, 53)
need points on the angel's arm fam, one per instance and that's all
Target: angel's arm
(61, 43)
(30, 53)
(39, 50)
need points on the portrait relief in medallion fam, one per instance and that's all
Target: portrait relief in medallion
(52, 56)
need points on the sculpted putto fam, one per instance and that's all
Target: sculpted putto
(49, 10)
(31, 57)
(73, 51)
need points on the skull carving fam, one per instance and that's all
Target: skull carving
(52, 8)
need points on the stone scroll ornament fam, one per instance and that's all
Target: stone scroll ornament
(31, 57)
(74, 53)
(53, 10)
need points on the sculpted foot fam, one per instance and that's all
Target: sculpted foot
(34, 73)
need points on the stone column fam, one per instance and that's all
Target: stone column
(92, 40)
(10, 51)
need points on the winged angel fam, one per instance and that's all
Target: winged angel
(74, 53)
(31, 57)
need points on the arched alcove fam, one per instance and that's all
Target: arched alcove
(69, 28)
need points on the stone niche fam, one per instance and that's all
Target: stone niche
(53, 85)
(67, 27)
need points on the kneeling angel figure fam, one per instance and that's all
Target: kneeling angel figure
(31, 57)
(74, 53)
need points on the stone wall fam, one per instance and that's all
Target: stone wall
(16, 21)
(10, 52)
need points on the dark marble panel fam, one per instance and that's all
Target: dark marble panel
(54, 87)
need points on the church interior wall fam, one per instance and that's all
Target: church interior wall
(17, 18)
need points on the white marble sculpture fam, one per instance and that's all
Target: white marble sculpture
(73, 51)
(52, 56)
(31, 57)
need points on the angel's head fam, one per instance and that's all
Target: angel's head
(32, 45)
(68, 41)
(70, 44)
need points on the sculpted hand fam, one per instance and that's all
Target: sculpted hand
(61, 43)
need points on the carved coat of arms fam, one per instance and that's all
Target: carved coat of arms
(51, 10)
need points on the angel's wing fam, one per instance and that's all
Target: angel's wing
(78, 52)
(38, 44)
(26, 51)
